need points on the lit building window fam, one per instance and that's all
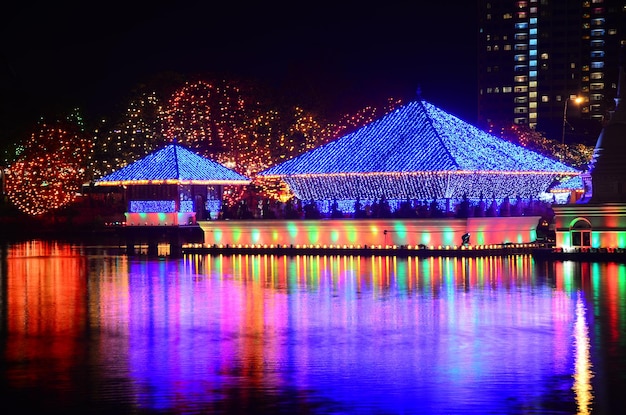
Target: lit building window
(507, 16)
(597, 75)
(597, 65)
(545, 98)
(533, 95)
(507, 89)
(544, 56)
(521, 78)
(597, 86)
(507, 47)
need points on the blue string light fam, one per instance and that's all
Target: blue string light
(418, 152)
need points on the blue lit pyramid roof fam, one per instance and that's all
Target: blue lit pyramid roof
(173, 164)
(418, 137)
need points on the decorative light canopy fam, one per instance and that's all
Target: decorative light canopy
(174, 164)
(419, 151)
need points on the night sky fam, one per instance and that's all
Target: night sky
(342, 57)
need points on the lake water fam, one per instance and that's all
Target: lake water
(87, 329)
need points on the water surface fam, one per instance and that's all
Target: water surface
(91, 330)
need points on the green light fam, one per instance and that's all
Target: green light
(567, 240)
(313, 234)
(217, 235)
(292, 228)
(400, 229)
(596, 240)
(161, 217)
(255, 235)
(143, 215)
(236, 234)
(480, 238)
(334, 235)
(621, 239)
(351, 234)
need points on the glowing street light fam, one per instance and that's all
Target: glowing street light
(577, 100)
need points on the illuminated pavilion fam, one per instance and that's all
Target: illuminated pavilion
(172, 186)
(598, 219)
(419, 152)
(416, 152)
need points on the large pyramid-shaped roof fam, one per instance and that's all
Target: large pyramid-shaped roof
(418, 137)
(173, 164)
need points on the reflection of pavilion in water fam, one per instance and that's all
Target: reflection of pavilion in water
(267, 308)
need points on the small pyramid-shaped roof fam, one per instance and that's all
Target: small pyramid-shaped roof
(173, 164)
(418, 137)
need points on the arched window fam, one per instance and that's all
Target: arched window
(581, 233)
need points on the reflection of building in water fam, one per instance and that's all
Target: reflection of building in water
(598, 219)
(582, 361)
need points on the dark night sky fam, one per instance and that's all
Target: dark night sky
(55, 56)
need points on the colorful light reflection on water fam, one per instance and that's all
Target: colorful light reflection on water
(88, 330)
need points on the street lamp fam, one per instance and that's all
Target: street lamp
(577, 100)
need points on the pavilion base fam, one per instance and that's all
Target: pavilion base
(379, 233)
(149, 239)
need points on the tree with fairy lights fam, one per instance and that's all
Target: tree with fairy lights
(49, 172)
(576, 155)
(209, 117)
(136, 134)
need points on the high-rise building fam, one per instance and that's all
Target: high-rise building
(549, 64)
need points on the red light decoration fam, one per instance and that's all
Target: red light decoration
(50, 171)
